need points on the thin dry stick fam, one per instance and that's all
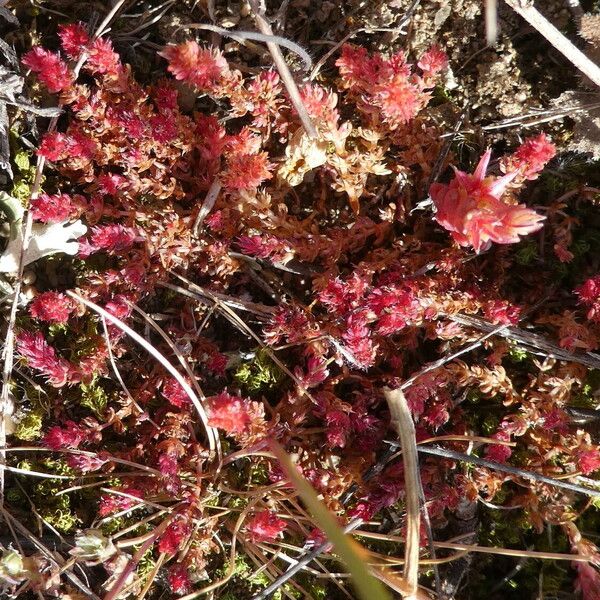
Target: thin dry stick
(526, 9)
(403, 424)
(284, 71)
(446, 359)
(491, 22)
(532, 476)
(534, 342)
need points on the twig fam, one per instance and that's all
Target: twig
(526, 9)
(533, 341)
(539, 117)
(450, 545)
(491, 22)
(446, 359)
(482, 462)
(284, 71)
(401, 421)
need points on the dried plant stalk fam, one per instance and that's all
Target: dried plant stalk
(284, 71)
(526, 9)
(403, 424)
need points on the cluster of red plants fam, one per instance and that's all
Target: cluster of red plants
(348, 290)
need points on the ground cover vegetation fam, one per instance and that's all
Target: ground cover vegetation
(227, 225)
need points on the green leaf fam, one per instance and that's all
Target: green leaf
(349, 551)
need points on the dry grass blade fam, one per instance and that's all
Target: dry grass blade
(182, 361)
(117, 372)
(152, 576)
(284, 71)
(403, 424)
(211, 433)
(258, 37)
(207, 205)
(482, 549)
(261, 311)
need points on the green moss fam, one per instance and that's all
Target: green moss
(473, 396)
(22, 161)
(113, 525)
(15, 495)
(59, 467)
(29, 428)
(26, 465)
(318, 592)
(21, 189)
(93, 397)
(260, 579)
(259, 474)
(517, 354)
(58, 329)
(146, 564)
(500, 529)
(62, 520)
(242, 566)
(24, 178)
(237, 502)
(527, 253)
(258, 375)
(490, 424)
(585, 397)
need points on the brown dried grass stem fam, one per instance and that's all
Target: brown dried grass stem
(401, 421)
(575, 56)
